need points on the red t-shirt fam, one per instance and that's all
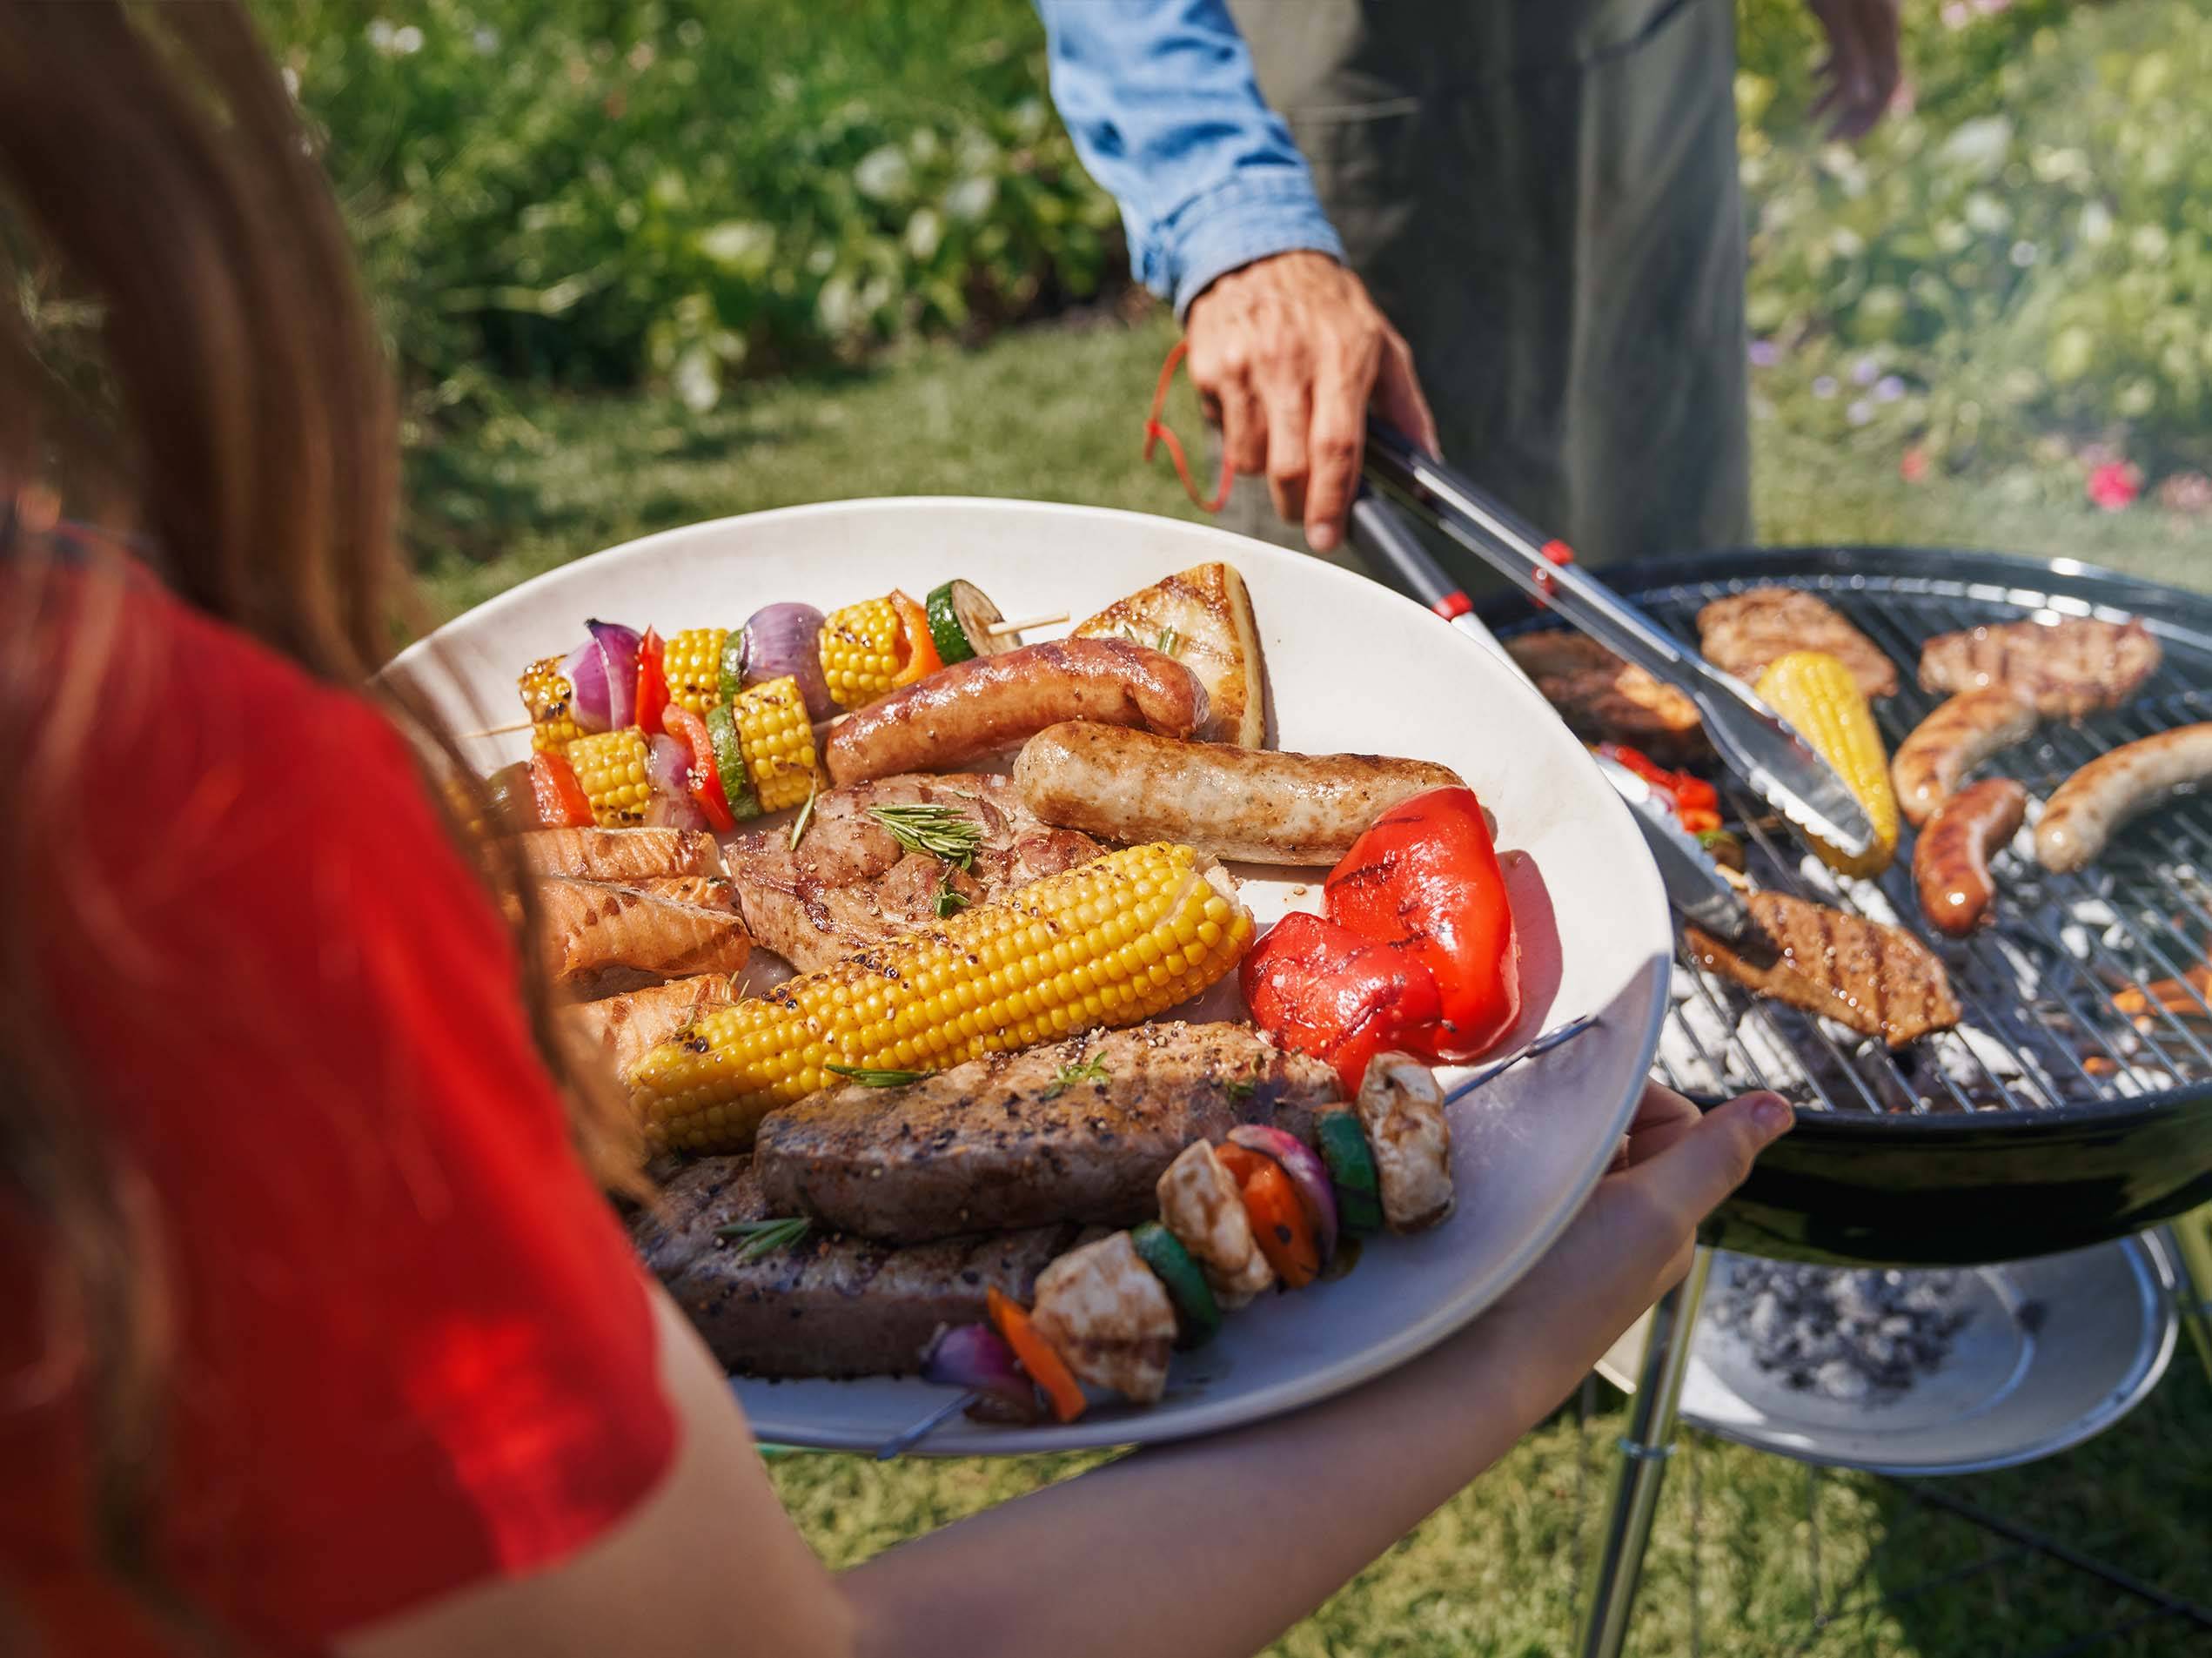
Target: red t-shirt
(412, 1349)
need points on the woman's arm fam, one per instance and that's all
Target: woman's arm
(1208, 1549)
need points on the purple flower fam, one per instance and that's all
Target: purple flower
(1859, 412)
(1889, 389)
(1825, 387)
(1864, 372)
(1765, 354)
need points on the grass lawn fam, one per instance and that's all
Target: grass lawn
(1055, 414)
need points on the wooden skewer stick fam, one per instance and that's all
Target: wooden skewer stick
(1000, 629)
(497, 731)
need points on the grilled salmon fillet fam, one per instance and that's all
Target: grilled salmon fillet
(619, 854)
(1746, 631)
(1879, 981)
(825, 1305)
(595, 933)
(708, 891)
(2064, 669)
(850, 884)
(1604, 699)
(1079, 1131)
(626, 1027)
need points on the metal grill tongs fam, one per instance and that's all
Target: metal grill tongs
(1750, 738)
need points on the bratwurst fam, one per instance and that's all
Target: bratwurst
(976, 707)
(1243, 803)
(2095, 800)
(1951, 858)
(1961, 734)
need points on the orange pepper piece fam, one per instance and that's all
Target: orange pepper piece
(1046, 1368)
(1280, 1223)
(922, 649)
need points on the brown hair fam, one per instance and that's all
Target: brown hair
(240, 420)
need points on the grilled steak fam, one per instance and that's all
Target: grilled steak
(825, 1305)
(2065, 669)
(619, 855)
(1603, 699)
(1881, 981)
(1746, 631)
(1079, 1131)
(612, 938)
(626, 1027)
(851, 885)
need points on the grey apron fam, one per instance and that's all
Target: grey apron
(1542, 196)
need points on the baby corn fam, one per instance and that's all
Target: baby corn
(1111, 943)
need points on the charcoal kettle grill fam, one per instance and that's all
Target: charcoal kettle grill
(2072, 1105)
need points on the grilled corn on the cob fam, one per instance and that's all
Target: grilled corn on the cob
(778, 741)
(861, 649)
(1110, 943)
(611, 765)
(693, 661)
(1816, 693)
(546, 694)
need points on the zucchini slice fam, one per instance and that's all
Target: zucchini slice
(1198, 1315)
(729, 761)
(1351, 1163)
(961, 619)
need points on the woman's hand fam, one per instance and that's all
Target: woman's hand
(1291, 350)
(1632, 1241)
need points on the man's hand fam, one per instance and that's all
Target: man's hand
(1861, 75)
(1291, 350)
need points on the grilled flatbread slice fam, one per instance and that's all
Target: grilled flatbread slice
(1201, 617)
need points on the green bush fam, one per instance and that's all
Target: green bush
(2020, 265)
(589, 192)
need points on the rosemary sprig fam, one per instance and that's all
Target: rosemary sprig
(764, 1237)
(1089, 1071)
(950, 901)
(942, 831)
(868, 1076)
(1170, 642)
(806, 817)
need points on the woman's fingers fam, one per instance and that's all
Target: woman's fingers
(1698, 1164)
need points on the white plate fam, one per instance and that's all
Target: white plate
(1350, 666)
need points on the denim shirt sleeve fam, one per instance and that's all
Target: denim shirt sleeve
(1162, 102)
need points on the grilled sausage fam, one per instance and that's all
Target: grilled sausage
(1247, 804)
(1951, 859)
(2095, 800)
(979, 707)
(1958, 737)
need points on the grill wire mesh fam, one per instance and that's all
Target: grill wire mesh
(2042, 1031)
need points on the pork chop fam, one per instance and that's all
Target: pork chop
(850, 883)
(1879, 981)
(2065, 669)
(1080, 1130)
(1604, 699)
(1746, 631)
(825, 1305)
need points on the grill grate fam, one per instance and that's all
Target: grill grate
(2041, 1033)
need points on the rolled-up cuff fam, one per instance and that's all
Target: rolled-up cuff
(1245, 219)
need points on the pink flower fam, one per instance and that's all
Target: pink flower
(1912, 466)
(2114, 484)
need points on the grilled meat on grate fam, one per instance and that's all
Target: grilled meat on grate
(1745, 632)
(2066, 668)
(1604, 699)
(1879, 981)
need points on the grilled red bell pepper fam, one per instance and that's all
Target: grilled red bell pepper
(703, 779)
(560, 799)
(1322, 989)
(1425, 880)
(1690, 796)
(652, 684)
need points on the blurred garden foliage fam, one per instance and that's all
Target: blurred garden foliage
(590, 192)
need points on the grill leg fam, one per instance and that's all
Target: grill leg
(2189, 1241)
(1645, 1449)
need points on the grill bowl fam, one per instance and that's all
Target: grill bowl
(2051, 1121)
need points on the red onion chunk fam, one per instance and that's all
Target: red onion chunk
(603, 674)
(975, 1357)
(1308, 1176)
(667, 762)
(785, 639)
(670, 811)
